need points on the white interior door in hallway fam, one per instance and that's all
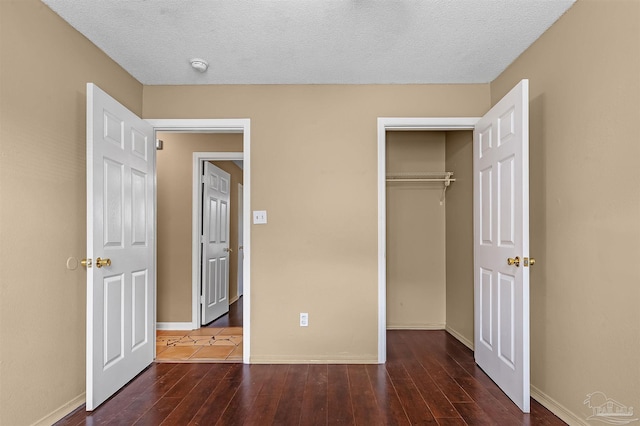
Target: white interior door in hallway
(215, 242)
(120, 246)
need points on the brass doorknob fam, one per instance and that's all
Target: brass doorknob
(86, 263)
(514, 261)
(532, 261)
(227, 249)
(103, 262)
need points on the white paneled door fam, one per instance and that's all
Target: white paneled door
(501, 244)
(215, 242)
(120, 246)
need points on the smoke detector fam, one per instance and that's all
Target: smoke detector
(199, 64)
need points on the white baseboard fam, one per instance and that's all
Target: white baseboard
(556, 408)
(468, 343)
(234, 300)
(416, 327)
(62, 411)
(174, 326)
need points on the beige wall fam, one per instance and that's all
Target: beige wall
(585, 203)
(44, 68)
(175, 181)
(459, 233)
(415, 233)
(313, 168)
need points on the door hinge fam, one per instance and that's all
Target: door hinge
(202, 299)
(202, 238)
(202, 179)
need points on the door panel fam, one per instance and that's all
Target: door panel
(120, 227)
(501, 231)
(486, 308)
(215, 249)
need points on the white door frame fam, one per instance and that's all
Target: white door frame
(243, 126)
(407, 124)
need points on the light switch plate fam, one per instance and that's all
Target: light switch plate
(259, 217)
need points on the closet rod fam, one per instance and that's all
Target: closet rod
(421, 180)
(446, 179)
(421, 177)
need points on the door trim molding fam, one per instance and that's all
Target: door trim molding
(399, 124)
(243, 126)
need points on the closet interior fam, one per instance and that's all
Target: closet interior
(429, 193)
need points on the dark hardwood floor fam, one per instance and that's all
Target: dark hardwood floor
(429, 378)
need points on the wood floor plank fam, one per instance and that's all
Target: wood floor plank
(156, 414)
(277, 379)
(263, 410)
(237, 411)
(414, 406)
(315, 397)
(146, 400)
(213, 408)
(254, 378)
(429, 354)
(339, 405)
(444, 381)
(437, 402)
(472, 414)
(193, 374)
(195, 399)
(487, 402)
(265, 405)
(290, 403)
(457, 421)
(489, 385)
(365, 407)
(126, 395)
(386, 396)
(543, 417)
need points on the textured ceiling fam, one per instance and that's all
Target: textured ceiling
(312, 41)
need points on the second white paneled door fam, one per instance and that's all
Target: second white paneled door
(501, 244)
(215, 242)
(120, 246)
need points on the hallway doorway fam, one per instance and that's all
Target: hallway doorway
(220, 341)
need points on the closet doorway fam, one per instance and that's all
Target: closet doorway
(429, 230)
(454, 287)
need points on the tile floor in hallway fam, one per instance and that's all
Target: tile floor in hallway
(212, 344)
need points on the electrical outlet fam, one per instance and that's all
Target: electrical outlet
(304, 319)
